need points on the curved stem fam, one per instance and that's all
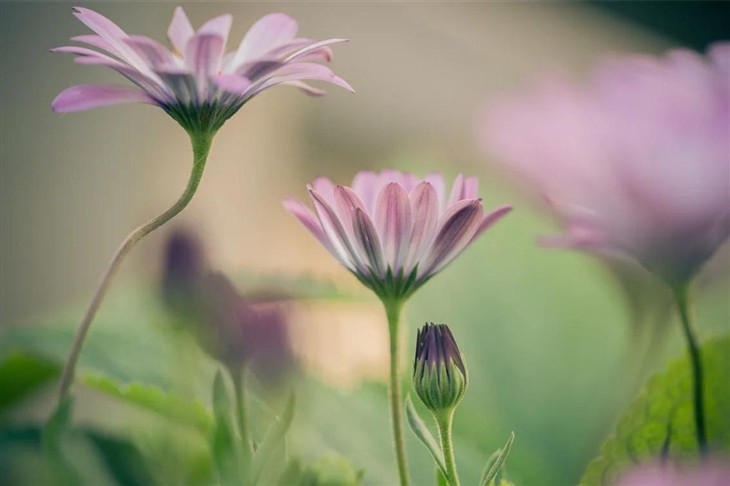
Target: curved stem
(393, 311)
(444, 425)
(201, 143)
(681, 295)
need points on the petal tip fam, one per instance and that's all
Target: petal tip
(289, 203)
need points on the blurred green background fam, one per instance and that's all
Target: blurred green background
(546, 333)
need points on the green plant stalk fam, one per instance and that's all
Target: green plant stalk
(393, 309)
(201, 143)
(681, 295)
(239, 386)
(444, 421)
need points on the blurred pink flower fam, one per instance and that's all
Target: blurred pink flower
(393, 231)
(636, 163)
(710, 473)
(233, 328)
(196, 83)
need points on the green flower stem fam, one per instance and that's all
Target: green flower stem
(681, 295)
(239, 386)
(201, 142)
(393, 310)
(444, 421)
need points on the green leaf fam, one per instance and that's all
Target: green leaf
(224, 445)
(272, 449)
(57, 425)
(54, 433)
(21, 374)
(132, 337)
(440, 478)
(660, 422)
(421, 431)
(496, 461)
(182, 410)
(122, 459)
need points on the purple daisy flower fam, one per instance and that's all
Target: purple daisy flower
(197, 82)
(392, 230)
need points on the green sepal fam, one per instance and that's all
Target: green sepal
(421, 431)
(496, 461)
(392, 286)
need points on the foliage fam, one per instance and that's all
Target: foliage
(496, 463)
(660, 422)
(20, 375)
(522, 355)
(186, 411)
(421, 431)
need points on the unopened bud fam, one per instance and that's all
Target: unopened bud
(439, 373)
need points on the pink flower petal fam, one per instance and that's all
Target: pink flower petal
(219, 26)
(180, 31)
(307, 89)
(152, 86)
(456, 229)
(394, 222)
(471, 188)
(95, 41)
(406, 180)
(457, 190)
(99, 24)
(365, 184)
(302, 72)
(182, 84)
(310, 221)
(203, 56)
(368, 243)
(87, 96)
(437, 181)
(325, 188)
(270, 32)
(491, 219)
(232, 83)
(258, 69)
(346, 202)
(286, 49)
(425, 206)
(86, 52)
(154, 53)
(335, 232)
(112, 34)
(323, 54)
(579, 236)
(312, 48)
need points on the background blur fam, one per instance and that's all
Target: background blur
(545, 332)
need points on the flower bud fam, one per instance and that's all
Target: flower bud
(439, 373)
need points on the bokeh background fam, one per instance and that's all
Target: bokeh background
(546, 333)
